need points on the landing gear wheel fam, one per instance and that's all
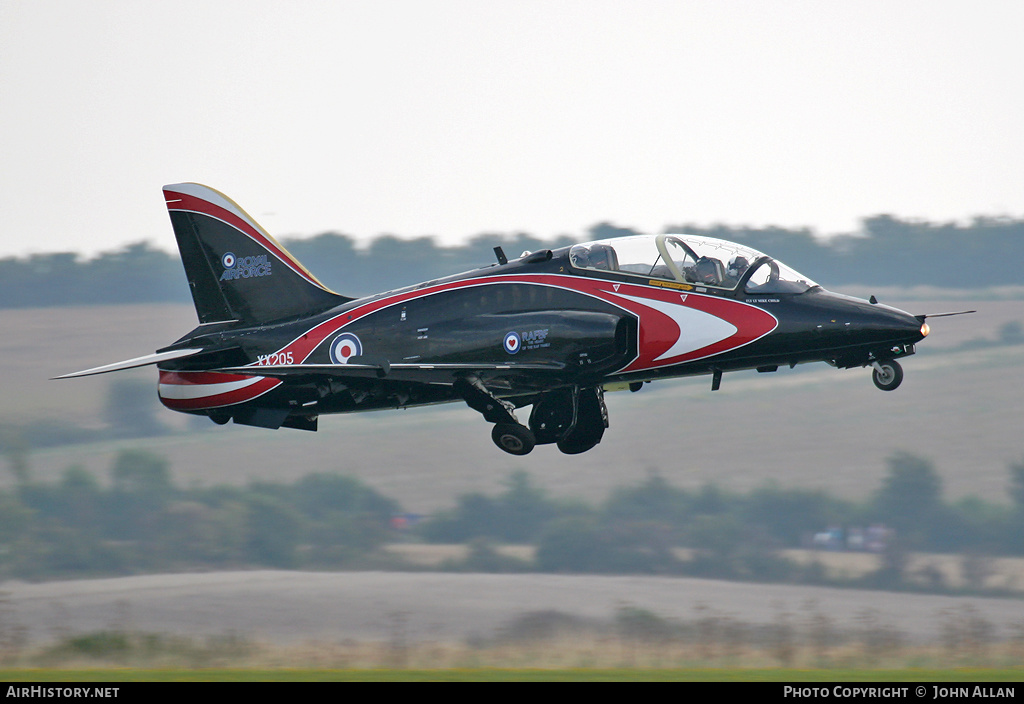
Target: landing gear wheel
(513, 438)
(576, 443)
(887, 375)
(591, 420)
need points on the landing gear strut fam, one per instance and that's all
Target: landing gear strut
(887, 375)
(508, 433)
(572, 418)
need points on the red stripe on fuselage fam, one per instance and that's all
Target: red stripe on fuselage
(183, 378)
(214, 400)
(658, 332)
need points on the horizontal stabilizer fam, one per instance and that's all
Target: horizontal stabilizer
(133, 363)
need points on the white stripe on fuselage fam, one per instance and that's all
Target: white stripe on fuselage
(697, 329)
(191, 391)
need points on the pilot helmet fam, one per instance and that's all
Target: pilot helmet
(580, 256)
(600, 257)
(706, 272)
(737, 266)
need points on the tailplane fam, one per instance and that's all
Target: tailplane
(236, 271)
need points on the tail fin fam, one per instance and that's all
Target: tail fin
(236, 271)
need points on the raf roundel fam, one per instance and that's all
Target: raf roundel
(512, 342)
(228, 260)
(345, 347)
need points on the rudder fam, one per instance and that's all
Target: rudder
(236, 271)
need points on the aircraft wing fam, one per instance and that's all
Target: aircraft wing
(422, 373)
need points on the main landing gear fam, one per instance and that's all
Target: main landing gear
(887, 375)
(513, 438)
(574, 419)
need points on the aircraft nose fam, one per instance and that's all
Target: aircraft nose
(862, 322)
(909, 324)
(885, 323)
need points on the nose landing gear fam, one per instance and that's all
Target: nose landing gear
(887, 375)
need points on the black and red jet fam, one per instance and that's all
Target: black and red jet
(552, 330)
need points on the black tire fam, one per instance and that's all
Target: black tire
(591, 420)
(576, 443)
(891, 376)
(553, 414)
(513, 438)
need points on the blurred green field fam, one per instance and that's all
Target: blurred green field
(519, 675)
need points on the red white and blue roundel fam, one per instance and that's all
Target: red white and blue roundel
(512, 342)
(345, 347)
(228, 260)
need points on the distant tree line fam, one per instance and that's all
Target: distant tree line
(139, 521)
(130, 410)
(638, 529)
(139, 273)
(889, 251)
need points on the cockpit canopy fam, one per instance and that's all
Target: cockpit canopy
(691, 259)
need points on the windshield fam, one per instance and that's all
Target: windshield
(691, 259)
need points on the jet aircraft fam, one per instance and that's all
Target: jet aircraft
(552, 329)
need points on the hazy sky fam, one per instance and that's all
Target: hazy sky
(451, 118)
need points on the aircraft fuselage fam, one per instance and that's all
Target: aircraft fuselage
(581, 328)
(551, 330)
